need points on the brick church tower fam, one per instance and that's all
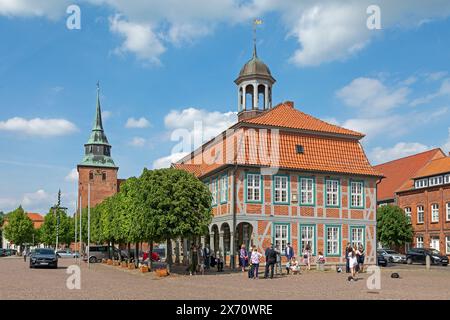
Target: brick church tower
(97, 169)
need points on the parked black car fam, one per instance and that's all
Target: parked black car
(418, 255)
(381, 260)
(43, 257)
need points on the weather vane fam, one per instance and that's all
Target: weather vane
(255, 23)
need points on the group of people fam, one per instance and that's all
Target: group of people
(201, 259)
(273, 258)
(354, 260)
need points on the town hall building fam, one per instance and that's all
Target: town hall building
(281, 176)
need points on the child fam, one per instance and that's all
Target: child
(294, 266)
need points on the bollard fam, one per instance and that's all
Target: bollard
(428, 262)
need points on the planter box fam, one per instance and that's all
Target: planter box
(104, 260)
(116, 263)
(131, 266)
(124, 265)
(144, 269)
(161, 272)
(109, 262)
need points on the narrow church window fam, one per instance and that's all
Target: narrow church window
(91, 176)
(104, 176)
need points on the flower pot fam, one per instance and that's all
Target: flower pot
(144, 269)
(131, 266)
(161, 272)
(116, 263)
(109, 262)
(104, 260)
(124, 264)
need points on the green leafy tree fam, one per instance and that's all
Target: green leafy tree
(393, 227)
(19, 228)
(49, 229)
(176, 204)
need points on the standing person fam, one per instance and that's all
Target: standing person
(279, 266)
(194, 260)
(307, 257)
(243, 257)
(219, 262)
(361, 258)
(201, 260)
(25, 255)
(347, 263)
(353, 262)
(207, 256)
(289, 252)
(255, 258)
(271, 259)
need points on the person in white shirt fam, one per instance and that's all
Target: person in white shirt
(353, 262)
(255, 259)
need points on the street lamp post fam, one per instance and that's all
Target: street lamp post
(56, 209)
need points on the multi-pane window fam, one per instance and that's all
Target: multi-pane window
(332, 240)
(435, 181)
(420, 214)
(213, 189)
(223, 189)
(307, 234)
(447, 245)
(448, 211)
(281, 189)
(332, 193)
(434, 243)
(408, 214)
(306, 191)
(447, 178)
(434, 212)
(422, 183)
(357, 234)
(281, 236)
(419, 242)
(357, 194)
(253, 187)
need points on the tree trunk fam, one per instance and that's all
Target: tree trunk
(129, 252)
(169, 254)
(177, 251)
(136, 254)
(150, 252)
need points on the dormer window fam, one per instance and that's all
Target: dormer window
(435, 181)
(421, 183)
(447, 178)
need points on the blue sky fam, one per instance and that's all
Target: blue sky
(164, 65)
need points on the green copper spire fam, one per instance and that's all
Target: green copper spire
(98, 150)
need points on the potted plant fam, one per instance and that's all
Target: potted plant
(162, 272)
(144, 268)
(109, 262)
(131, 266)
(124, 264)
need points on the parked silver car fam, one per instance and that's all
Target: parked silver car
(67, 254)
(392, 255)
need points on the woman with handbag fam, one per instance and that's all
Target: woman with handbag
(307, 257)
(243, 257)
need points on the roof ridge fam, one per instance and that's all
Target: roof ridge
(410, 156)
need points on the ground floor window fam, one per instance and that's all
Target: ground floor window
(307, 237)
(419, 242)
(434, 243)
(357, 236)
(333, 240)
(281, 236)
(447, 245)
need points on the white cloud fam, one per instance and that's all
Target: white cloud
(444, 90)
(140, 39)
(106, 114)
(138, 142)
(371, 96)
(38, 126)
(35, 199)
(165, 162)
(436, 76)
(203, 124)
(402, 149)
(137, 123)
(72, 176)
(51, 9)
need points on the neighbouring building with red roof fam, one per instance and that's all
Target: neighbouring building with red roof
(281, 176)
(420, 185)
(38, 221)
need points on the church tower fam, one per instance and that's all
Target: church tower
(97, 168)
(254, 87)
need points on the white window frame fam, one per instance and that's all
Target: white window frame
(447, 178)
(224, 189)
(408, 211)
(447, 244)
(254, 187)
(281, 236)
(359, 235)
(357, 194)
(434, 212)
(421, 183)
(213, 189)
(333, 242)
(307, 191)
(438, 242)
(308, 235)
(281, 189)
(434, 181)
(447, 206)
(332, 193)
(419, 242)
(420, 214)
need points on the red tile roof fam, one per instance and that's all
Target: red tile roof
(327, 148)
(400, 171)
(435, 167)
(285, 115)
(38, 219)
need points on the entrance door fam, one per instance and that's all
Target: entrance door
(434, 243)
